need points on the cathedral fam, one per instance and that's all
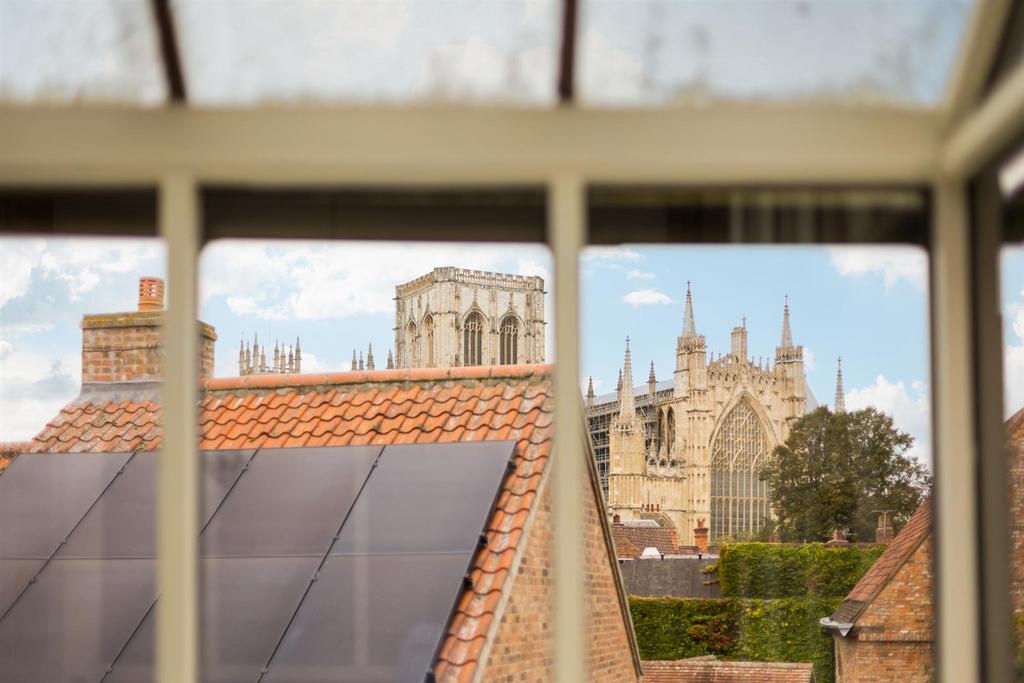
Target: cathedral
(686, 452)
(454, 316)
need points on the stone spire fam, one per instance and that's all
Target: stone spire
(787, 333)
(369, 358)
(840, 401)
(618, 387)
(652, 381)
(361, 365)
(298, 356)
(689, 326)
(355, 364)
(391, 360)
(590, 392)
(627, 405)
(241, 357)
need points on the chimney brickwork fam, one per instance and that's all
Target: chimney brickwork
(126, 347)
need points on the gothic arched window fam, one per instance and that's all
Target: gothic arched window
(428, 341)
(739, 499)
(412, 358)
(509, 341)
(472, 340)
(670, 431)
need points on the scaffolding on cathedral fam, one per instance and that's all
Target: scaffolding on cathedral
(252, 358)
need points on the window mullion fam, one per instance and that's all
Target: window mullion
(178, 486)
(567, 204)
(956, 532)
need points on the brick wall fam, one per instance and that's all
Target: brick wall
(522, 647)
(1016, 446)
(126, 347)
(893, 637)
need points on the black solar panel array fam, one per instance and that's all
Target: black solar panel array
(317, 564)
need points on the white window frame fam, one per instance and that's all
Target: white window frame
(179, 150)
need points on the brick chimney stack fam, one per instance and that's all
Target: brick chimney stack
(126, 347)
(151, 294)
(700, 537)
(884, 533)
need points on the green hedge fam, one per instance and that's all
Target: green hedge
(783, 630)
(770, 570)
(677, 628)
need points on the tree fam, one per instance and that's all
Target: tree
(838, 470)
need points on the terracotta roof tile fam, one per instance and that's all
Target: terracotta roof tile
(380, 407)
(885, 567)
(714, 671)
(643, 537)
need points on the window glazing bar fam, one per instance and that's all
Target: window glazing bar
(987, 130)
(957, 592)
(178, 483)
(567, 209)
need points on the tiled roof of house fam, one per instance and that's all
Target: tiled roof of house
(885, 567)
(375, 407)
(713, 671)
(642, 537)
(624, 548)
(11, 449)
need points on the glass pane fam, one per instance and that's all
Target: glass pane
(787, 471)
(94, 51)
(80, 364)
(368, 51)
(864, 52)
(73, 621)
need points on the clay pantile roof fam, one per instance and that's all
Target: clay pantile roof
(367, 407)
(885, 567)
(713, 671)
(662, 538)
(12, 449)
(624, 548)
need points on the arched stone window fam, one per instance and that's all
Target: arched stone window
(739, 499)
(509, 341)
(428, 341)
(670, 431)
(473, 339)
(412, 358)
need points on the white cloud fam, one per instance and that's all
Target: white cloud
(647, 297)
(808, 359)
(1013, 359)
(17, 260)
(908, 408)
(893, 264)
(34, 389)
(327, 281)
(610, 254)
(80, 264)
(640, 275)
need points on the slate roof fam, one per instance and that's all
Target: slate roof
(713, 671)
(877, 577)
(367, 407)
(662, 538)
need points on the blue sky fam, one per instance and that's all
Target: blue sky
(867, 304)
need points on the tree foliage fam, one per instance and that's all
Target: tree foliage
(838, 470)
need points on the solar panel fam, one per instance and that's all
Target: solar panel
(71, 623)
(371, 618)
(14, 576)
(427, 498)
(43, 496)
(247, 604)
(123, 521)
(289, 502)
